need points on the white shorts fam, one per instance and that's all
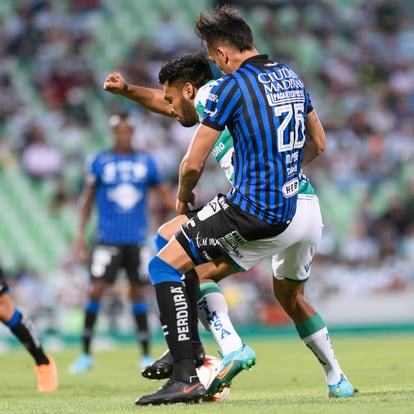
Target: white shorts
(292, 251)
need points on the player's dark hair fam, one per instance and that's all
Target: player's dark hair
(194, 68)
(224, 25)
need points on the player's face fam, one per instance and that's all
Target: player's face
(182, 104)
(123, 133)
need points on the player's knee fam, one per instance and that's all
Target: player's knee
(169, 229)
(165, 231)
(160, 271)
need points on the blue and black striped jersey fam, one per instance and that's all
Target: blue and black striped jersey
(122, 183)
(264, 105)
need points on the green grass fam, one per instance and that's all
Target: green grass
(286, 379)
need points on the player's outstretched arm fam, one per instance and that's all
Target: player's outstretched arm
(315, 138)
(151, 99)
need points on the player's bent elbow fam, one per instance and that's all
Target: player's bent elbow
(321, 148)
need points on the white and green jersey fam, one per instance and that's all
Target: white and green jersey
(223, 148)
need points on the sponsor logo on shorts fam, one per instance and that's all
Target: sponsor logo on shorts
(231, 241)
(209, 210)
(223, 203)
(205, 241)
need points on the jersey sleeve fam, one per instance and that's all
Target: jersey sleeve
(223, 148)
(222, 103)
(309, 106)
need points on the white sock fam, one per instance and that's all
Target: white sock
(320, 344)
(213, 314)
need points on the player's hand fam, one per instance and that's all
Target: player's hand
(115, 83)
(183, 206)
(80, 250)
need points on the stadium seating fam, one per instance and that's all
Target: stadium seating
(28, 230)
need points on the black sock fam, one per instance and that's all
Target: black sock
(184, 371)
(191, 282)
(89, 324)
(175, 317)
(141, 321)
(27, 334)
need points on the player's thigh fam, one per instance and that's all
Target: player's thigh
(4, 287)
(6, 307)
(214, 272)
(167, 230)
(294, 247)
(6, 304)
(294, 262)
(105, 263)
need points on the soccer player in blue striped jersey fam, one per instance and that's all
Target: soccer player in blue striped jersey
(213, 310)
(118, 182)
(179, 88)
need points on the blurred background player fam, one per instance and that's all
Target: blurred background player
(118, 182)
(213, 309)
(25, 332)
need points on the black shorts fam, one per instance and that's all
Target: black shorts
(4, 287)
(108, 259)
(221, 226)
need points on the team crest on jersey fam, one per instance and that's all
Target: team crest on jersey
(125, 195)
(212, 97)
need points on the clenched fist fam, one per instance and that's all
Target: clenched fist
(115, 83)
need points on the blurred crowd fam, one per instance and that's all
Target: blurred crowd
(357, 59)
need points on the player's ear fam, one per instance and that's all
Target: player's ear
(189, 91)
(222, 54)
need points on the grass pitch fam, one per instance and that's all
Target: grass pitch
(286, 379)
